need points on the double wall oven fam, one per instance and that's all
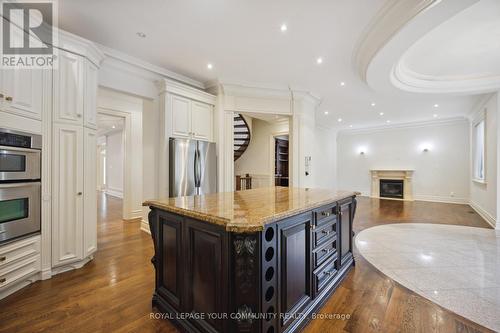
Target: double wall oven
(20, 184)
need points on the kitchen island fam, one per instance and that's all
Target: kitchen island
(260, 260)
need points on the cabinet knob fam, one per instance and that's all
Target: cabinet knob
(326, 250)
(328, 272)
(1, 95)
(3, 258)
(80, 193)
(325, 213)
(313, 227)
(2, 280)
(78, 115)
(8, 99)
(326, 232)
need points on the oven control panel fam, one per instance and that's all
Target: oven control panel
(15, 140)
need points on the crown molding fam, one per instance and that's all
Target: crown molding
(76, 44)
(174, 87)
(255, 91)
(141, 64)
(479, 106)
(406, 79)
(417, 124)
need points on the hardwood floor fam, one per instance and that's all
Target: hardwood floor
(113, 292)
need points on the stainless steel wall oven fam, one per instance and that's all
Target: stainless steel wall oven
(20, 184)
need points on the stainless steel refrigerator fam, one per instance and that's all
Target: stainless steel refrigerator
(192, 167)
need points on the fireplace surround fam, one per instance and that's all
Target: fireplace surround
(404, 176)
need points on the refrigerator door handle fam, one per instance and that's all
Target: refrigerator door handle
(197, 171)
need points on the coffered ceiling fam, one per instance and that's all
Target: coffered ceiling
(245, 42)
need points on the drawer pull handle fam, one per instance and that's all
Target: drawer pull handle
(2, 280)
(1, 95)
(326, 232)
(79, 193)
(328, 272)
(326, 250)
(8, 99)
(325, 214)
(3, 259)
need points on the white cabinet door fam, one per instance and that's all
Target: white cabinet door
(22, 91)
(181, 116)
(201, 121)
(67, 189)
(69, 89)
(90, 102)
(89, 192)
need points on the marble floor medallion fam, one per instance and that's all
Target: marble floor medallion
(456, 267)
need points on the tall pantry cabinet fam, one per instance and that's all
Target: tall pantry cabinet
(74, 144)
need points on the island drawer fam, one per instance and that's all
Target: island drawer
(322, 253)
(324, 274)
(324, 232)
(325, 214)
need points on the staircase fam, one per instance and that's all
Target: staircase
(241, 136)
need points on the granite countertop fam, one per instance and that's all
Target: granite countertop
(249, 210)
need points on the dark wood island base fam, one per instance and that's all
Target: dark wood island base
(209, 279)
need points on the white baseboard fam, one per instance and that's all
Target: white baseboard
(484, 214)
(145, 226)
(71, 266)
(436, 198)
(114, 193)
(134, 214)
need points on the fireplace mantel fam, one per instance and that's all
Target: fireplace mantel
(400, 174)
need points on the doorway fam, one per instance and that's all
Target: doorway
(255, 163)
(281, 160)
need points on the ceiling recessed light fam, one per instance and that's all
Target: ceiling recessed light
(373, 104)
(381, 113)
(319, 61)
(435, 115)
(283, 27)
(342, 84)
(141, 34)
(339, 120)
(350, 126)
(113, 127)
(388, 121)
(210, 66)
(326, 112)
(436, 105)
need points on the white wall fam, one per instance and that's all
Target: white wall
(324, 162)
(483, 197)
(257, 159)
(441, 174)
(150, 122)
(114, 164)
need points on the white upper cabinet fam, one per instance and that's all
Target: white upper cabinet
(69, 88)
(21, 92)
(181, 116)
(90, 102)
(201, 121)
(191, 119)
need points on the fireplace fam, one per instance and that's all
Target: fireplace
(392, 188)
